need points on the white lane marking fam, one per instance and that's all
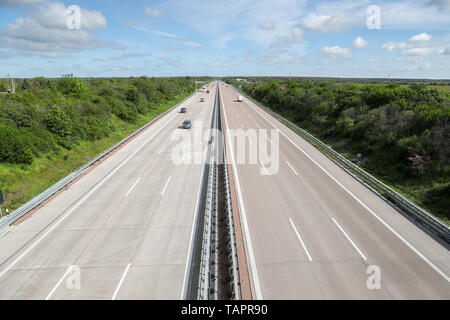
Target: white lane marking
(191, 241)
(59, 282)
(292, 168)
(435, 268)
(265, 170)
(299, 238)
(269, 140)
(349, 239)
(248, 241)
(20, 257)
(132, 187)
(163, 147)
(167, 183)
(121, 281)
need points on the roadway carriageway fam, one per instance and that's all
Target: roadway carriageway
(311, 230)
(127, 224)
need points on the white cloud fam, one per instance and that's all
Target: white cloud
(221, 42)
(417, 51)
(154, 13)
(336, 51)
(422, 37)
(391, 46)
(329, 23)
(295, 36)
(360, 43)
(267, 26)
(241, 19)
(372, 60)
(43, 32)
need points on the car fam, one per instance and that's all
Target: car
(183, 110)
(207, 91)
(202, 100)
(187, 124)
(240, 98)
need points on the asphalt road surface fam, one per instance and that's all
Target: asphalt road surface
(126, 225)
(313, 232)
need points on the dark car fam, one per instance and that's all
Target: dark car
(183, 110)
(202, 100)
(187, 124)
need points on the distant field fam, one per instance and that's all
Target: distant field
(444, 88)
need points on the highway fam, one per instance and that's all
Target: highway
(126, 225)
(312, 231)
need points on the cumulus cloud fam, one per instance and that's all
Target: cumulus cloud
(43, 31)
(391, 46)
(422, 37)
(336, 51)
(329, 23)
(154, 13)
(360, 43)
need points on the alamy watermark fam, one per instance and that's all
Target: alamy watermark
(374, 17)
(253, 147)
(374, 279)
(73, 21)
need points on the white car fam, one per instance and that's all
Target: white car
(240, 99)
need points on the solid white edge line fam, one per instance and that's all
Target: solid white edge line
(194, 221)
(248, 241)
(350, 240)
(167, 183)
(132, 187)
(292, 168)
(98, 185)
(435, 268)
(121, 282)
(58, 283)
(299, 238)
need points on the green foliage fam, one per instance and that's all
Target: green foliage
(403, 132)
(14, 146)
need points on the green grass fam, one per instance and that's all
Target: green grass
(23, 182)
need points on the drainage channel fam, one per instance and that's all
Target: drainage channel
(214, 271)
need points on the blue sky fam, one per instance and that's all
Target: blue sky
(219, 38)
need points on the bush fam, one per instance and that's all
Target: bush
(14, 146)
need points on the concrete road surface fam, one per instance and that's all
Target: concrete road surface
(314, 232)
(126, 225)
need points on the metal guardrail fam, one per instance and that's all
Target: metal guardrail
(6, 221)
(206, 258)
(237, 295)
(418, 214)
(209, 255)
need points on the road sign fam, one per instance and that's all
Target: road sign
(2, 198)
